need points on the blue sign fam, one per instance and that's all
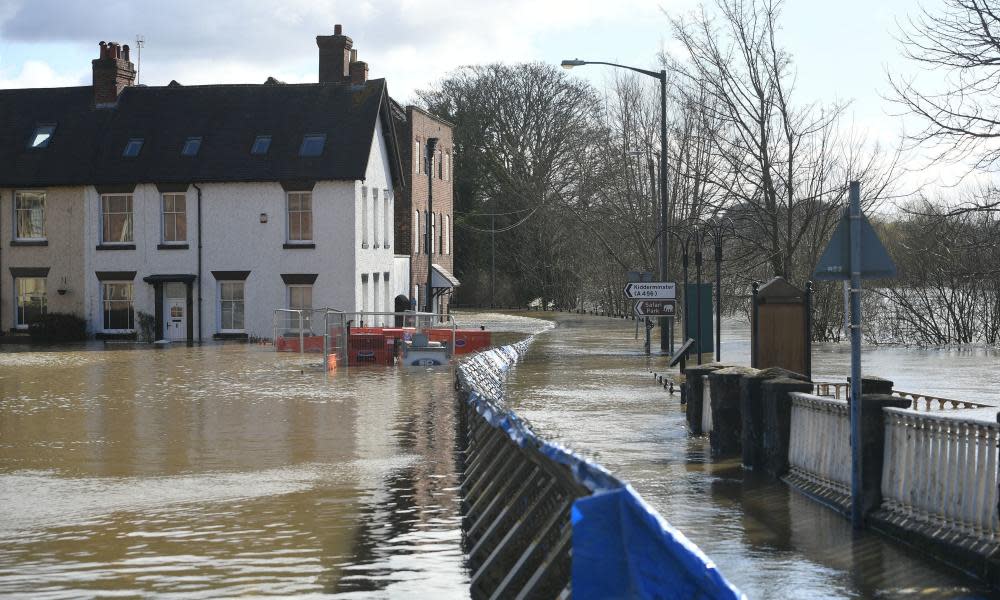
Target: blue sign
(835, 262)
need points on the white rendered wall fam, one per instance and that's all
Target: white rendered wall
(235, 240)
(373, 260)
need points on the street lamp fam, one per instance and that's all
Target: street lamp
(664, 195)
(717, 228)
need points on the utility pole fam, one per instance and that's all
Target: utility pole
(431, 145)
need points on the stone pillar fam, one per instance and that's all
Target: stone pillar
(695, 394)
(873, 444)
(725, 437)
(778, 421)
(872, 385)
(752, 413)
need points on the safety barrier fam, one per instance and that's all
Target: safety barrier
(540, 521)
(942, 471)
(922, 402)
(819, 448)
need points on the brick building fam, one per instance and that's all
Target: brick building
(415, 127)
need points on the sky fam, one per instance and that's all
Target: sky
(842, 50)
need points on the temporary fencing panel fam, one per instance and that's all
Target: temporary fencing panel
(540, 520)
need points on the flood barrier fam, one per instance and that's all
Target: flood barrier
(541, 521)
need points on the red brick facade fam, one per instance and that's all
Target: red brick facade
(413, 136)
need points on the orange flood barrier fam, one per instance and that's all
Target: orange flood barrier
(467, 341)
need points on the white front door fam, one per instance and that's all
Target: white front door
(175, 311)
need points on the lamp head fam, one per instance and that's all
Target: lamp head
(569, 64)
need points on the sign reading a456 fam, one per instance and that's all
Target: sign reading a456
(660, 290)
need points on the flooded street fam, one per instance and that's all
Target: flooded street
(232, 470)
(586, 384)
(221, 471)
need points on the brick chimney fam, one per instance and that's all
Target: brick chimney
(113, 72)
(358, 69)
(334, 56)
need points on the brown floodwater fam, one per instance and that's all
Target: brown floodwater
(587, 384)
(230, 470)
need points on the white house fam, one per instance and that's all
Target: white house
(210, 206)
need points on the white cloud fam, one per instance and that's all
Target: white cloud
(36, 73)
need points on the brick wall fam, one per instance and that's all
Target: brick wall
(420, 126)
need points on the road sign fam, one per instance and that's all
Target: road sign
(661, 290)
(655, 308)
(835, 261)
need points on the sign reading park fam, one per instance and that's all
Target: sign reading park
(660, 290)
(655, 308)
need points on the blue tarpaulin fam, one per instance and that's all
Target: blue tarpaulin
(623, 549)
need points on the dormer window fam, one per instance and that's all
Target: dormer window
(132, 148)
(191, 146)
(42, 136)
(261, 144)
(312, 144)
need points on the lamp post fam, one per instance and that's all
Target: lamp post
(717, 227)
(664, 253)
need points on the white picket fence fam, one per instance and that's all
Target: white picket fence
(942, 471)
(706, 405)
(819, 449)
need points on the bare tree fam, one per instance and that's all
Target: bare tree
(961, 116)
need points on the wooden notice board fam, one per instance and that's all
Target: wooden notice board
(781, 328)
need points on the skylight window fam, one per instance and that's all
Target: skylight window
(261, 144)
(132, 148)
(42, 135)
(191, 146)
(312, 144)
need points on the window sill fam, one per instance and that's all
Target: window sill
(230, 336)
(298, 246)
(172, 246)
(116, 246)
(116, 335)
(29, 242)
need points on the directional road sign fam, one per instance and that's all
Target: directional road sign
(655, 308)
(661, 290)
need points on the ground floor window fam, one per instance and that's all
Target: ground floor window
(300, 298)
(117, 306)
(29, 299)
(231, 299)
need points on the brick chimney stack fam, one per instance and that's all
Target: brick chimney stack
(113, 72)
(334, 56)
(358, 69)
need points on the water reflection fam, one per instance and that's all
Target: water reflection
(224, 471)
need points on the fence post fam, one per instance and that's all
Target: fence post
(778, 421)
(302, 336)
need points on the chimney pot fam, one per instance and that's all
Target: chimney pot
(113, 72)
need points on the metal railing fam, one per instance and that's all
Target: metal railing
(299, 330)
(819, 449)
(921, 402)
(942, 471)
